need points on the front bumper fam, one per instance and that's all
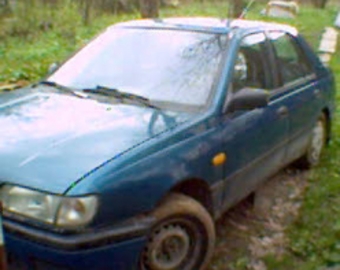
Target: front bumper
(116, 248)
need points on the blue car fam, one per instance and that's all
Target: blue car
(126, 154)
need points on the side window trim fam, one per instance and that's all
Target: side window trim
(280, 90)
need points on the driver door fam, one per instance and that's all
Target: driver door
(254, 140)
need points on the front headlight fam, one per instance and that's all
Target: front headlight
(52, 209)
(76, 211)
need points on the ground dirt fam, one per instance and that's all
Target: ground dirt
(256, 227)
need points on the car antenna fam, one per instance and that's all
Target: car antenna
(246, 9)
(243, 14)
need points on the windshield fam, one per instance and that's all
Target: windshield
(168, 66)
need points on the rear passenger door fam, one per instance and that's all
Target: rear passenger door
(295, 90)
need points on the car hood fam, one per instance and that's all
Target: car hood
(50, 140)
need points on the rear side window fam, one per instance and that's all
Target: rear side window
(291, 61)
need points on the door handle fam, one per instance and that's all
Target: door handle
(282, 111)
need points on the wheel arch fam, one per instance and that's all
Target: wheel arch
(197, 189)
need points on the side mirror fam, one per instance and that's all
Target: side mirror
(248, 99)
(53, 67)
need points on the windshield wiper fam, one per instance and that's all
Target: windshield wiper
(119, 95)
(60, 87)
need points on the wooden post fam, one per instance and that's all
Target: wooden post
(3, 258)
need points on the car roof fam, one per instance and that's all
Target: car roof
(206, 24)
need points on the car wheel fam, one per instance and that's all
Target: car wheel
(316, 144)
(183, 237)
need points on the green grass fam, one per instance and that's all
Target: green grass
(315, 236)
(27, 58)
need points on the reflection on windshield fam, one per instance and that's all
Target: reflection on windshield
(161, 65)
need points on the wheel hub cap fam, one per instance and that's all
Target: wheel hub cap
(168, 248)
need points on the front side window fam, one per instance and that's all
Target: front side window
(290, 59)
(167, 66)
(251, 65)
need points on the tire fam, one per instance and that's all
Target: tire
(183, 237)
(316, 144)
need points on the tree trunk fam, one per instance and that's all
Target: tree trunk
(149, 8)
(237, 8)
(86, 6)
(323, 3)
